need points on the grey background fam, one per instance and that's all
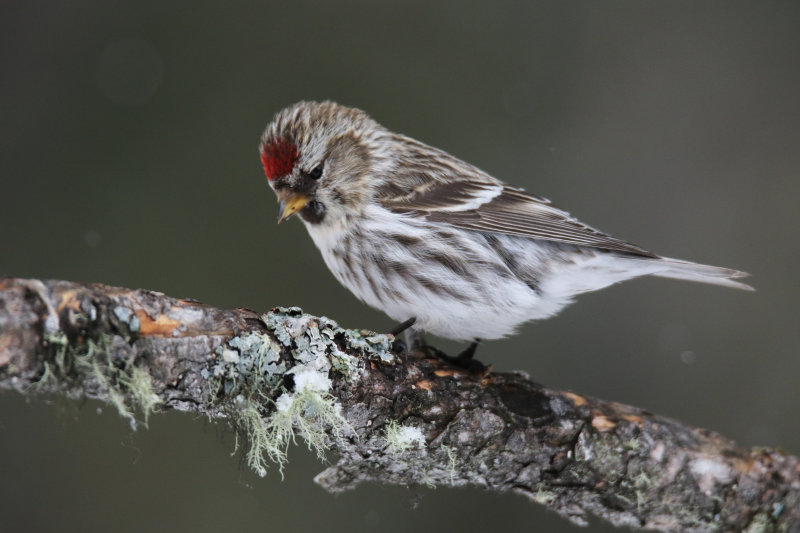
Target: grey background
(128, 146)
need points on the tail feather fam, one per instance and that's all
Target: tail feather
(686, 270)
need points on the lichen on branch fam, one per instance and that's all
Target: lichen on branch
(390, 418)
(277, 400)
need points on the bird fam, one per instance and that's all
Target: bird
(436, 243)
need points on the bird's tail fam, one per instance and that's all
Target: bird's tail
(686, 270)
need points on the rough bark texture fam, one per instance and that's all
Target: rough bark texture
(391, 418)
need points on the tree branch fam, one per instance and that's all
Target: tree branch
(390, 418)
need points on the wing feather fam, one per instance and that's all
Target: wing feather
(514, 212)
(462, 196)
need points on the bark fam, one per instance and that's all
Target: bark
(391, 418)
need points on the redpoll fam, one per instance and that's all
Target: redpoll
(418, 233)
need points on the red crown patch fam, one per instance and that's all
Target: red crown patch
(278, 158)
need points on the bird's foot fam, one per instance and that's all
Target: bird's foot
(415, 342)
(399, 347)
(465, 359)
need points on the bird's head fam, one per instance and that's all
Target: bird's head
(319, 159)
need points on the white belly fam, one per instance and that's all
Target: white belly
(475, 297)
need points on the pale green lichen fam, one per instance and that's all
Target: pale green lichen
(407, 446)
(252, 368)
(312, 414)
(47, 378)
(117, 386)
(263, 444)
(373, 346)
(63, 351)
(139, 386)
(400, 438)
(642, 484)
(248, 364)
(544, 497)
(307, 335)
(117, 383)
(761, 523)
(452, 462)
(632, 444)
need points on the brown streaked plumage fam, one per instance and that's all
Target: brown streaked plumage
(419, 233)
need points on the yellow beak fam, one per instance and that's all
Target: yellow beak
(290, 204)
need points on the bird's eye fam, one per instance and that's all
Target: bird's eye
(317, 172)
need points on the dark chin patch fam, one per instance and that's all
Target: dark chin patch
(313, 212)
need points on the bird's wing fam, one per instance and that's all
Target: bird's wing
(490, 206)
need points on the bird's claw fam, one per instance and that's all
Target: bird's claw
(465, 359)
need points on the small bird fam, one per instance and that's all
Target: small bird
(435, 242)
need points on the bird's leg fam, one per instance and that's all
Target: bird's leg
(415, 339)
(399, 346)
(403, 326)
(415, 342)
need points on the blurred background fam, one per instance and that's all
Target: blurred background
(128, 145)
